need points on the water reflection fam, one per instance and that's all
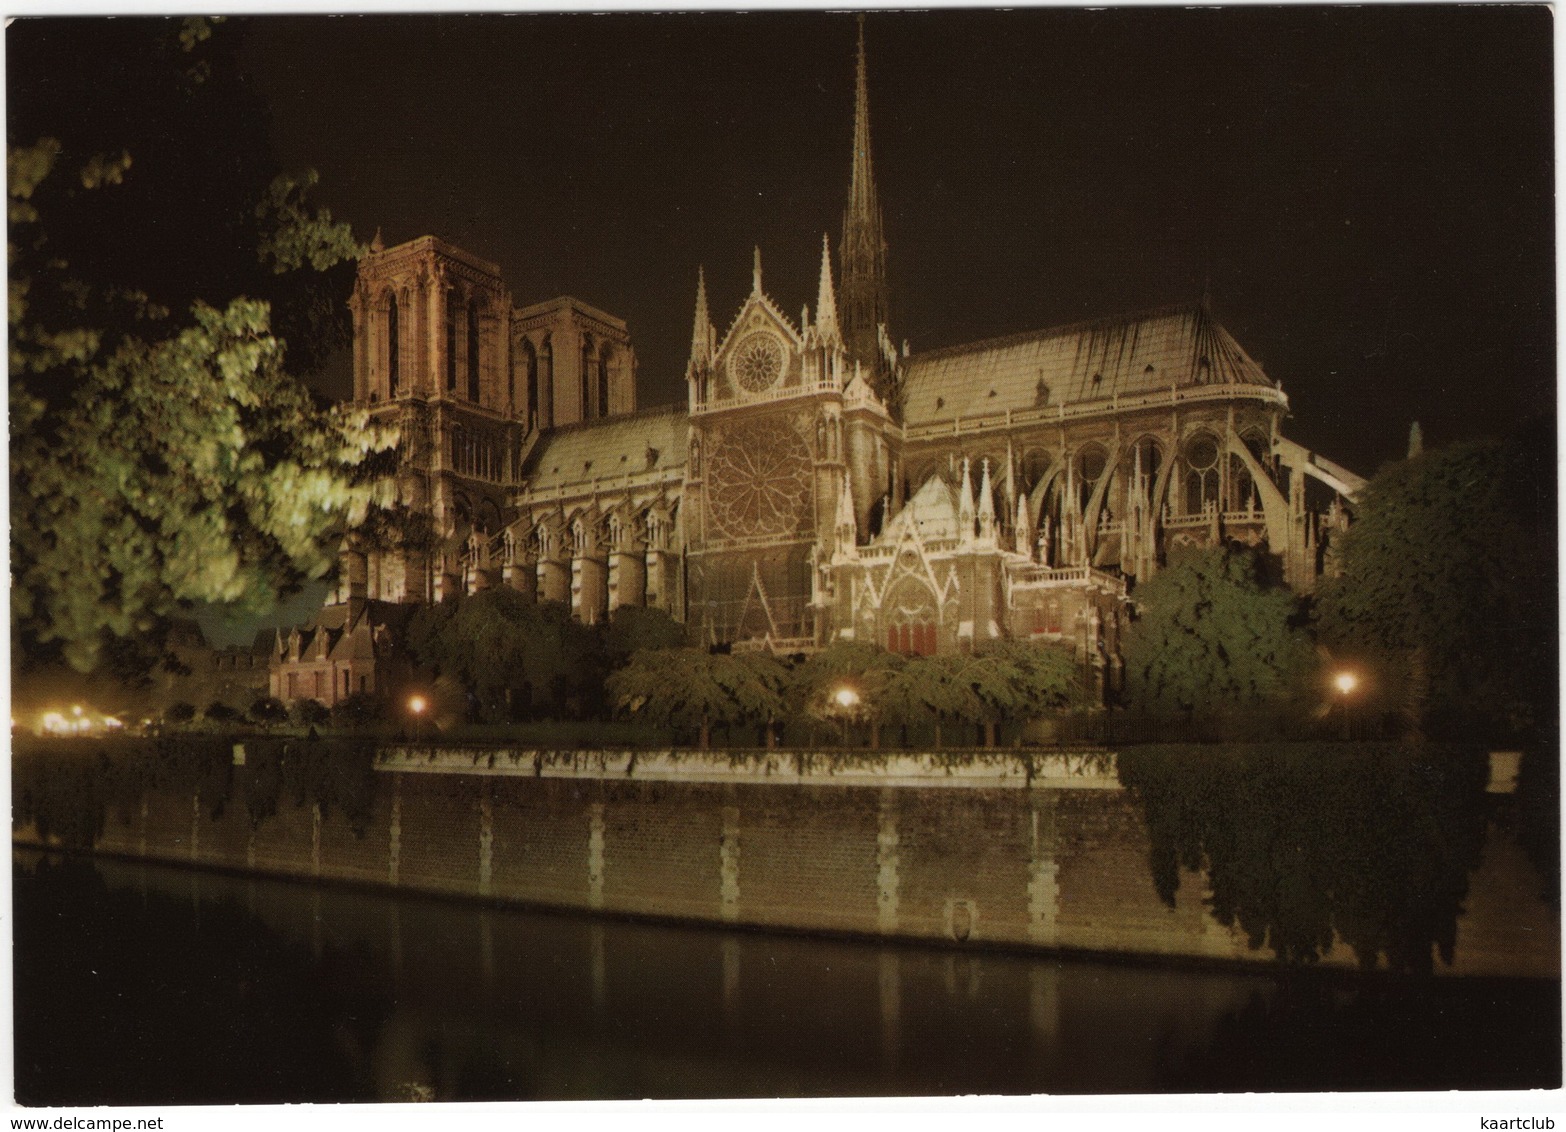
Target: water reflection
(1305, 843)
(146, 984)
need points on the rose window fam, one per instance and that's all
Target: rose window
(757, 362)
(758, 482)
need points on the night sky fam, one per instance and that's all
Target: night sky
(1368, 192)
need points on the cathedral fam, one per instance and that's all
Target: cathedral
(820, 483)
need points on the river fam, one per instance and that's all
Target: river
(147, 984)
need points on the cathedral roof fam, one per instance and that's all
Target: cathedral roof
(1072, 365)
(932, 513)
(649, 440)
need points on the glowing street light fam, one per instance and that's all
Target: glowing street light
(845, 699)
(418, 704)
(1345, 682)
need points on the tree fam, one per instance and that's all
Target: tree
(180, 712)
(1214, 646)
(268, 710)
(359, 710)
(631, 628)
(951, 687)
(689, 687)
(219, 712)
(1044, 678)
(864, 669)
(511, 654)
(1447, 585)
(158, 461)
(311, 713)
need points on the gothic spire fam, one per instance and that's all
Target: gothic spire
(847, 526)
(986, 504)
(826, 297)
(755, 273)
(863, 249)
(965, 505)
(701, 332)
(1022, 528)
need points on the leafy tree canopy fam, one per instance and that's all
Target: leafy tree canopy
(689, 687)
(1211, 641)
(512, 654)
(162, 456)
(632, 628)
(865, 668)
(1448, 580)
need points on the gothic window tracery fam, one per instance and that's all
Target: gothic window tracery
(911, 620)
(1091, 460)
(757, 362)
(759, 481)
(1035, 465)
(1201, 472)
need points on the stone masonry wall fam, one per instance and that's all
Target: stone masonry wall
(1016, 864)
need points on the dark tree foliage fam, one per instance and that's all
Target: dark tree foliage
(180, 712)
(1303, 844)
(69, 788)
(311, 713)
(163, 452)
(693, 689)
(359, 711)
(632, 628)
(865, 669)
(194, 211)
(515, 657)
(269, 709)
(1214, 646)
(219, 712)
(1448, 586)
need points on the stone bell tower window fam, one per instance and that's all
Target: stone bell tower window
(393, 350)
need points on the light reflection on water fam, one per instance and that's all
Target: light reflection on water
(148, 983)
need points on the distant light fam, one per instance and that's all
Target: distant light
(846, 698)
(76, 709)
(417, 704)
(1345, 682)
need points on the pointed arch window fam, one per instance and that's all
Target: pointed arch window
(393, 346)
(603, 382)
(473, 352)
(1201, 476)
(546, 383)
(453, 314)
(530, 371)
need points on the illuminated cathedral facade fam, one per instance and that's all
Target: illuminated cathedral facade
(820, 483)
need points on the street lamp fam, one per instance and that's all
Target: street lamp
(847, 699)
(417, 705)
(1345, 682)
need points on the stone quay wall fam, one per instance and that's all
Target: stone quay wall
(1030, 851)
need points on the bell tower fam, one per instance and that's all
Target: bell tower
(432, 331)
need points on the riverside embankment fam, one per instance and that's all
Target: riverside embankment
(1234, 854)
